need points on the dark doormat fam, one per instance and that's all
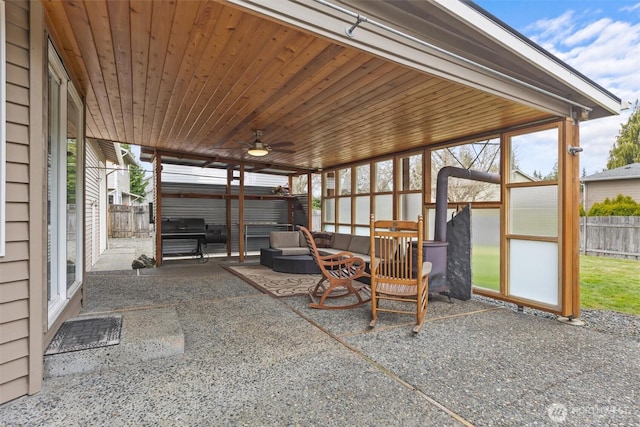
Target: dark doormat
(83, 334)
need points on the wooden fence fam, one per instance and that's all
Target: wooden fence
(610, 236)
(129, 221)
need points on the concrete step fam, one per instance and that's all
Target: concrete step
(147, 334)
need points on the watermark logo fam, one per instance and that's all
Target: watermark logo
(557, 412)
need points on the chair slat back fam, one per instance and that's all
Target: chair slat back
(313, 249)
(397, 248)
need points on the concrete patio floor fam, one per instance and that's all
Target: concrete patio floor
(201, 347)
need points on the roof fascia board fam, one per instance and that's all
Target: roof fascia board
(526, 51)
(331, 24)
(612, 178)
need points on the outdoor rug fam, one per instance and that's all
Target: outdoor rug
(86, 333)
(274, 283)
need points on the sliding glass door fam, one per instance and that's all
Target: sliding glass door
(64, 188)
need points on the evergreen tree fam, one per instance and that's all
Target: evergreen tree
(626, 149)
(137, 183)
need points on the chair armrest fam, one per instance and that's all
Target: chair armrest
(339, 255)
(348, 262)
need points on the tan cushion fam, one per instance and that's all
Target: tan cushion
(341, 241)
(295, 251)
(284, 239)
(359, 244)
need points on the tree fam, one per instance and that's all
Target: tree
(480, 156)
(137, 182)
(626, 149)
(620, 206)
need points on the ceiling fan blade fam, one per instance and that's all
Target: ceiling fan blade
(279, 150)
(282, 144)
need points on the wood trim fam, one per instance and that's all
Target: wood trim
(37, 194)
(240, 216)
(157, 162)
(515, 300)
(569, 170)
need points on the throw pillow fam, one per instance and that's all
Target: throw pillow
(322, 239)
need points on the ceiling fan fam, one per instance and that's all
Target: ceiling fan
(257, 148)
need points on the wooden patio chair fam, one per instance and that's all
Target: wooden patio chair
(398, 274)
(340, 271)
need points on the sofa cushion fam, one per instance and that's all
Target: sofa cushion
(294, 251)
(284, 239)
(359, 244)
(322, 239)
(341, 241)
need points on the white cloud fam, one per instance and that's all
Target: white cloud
(631, 8)
(607, 51)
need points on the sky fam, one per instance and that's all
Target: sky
(600, 39)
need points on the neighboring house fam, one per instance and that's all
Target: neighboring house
(106, 180)
(109, 71)
(118, 178)
(624, 180)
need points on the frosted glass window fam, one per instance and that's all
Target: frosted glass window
(329, 210)
(534, 156)
(330, 184)
(344, 181)
(533, 271)
(330, 228)
(363, 209)
(362, 231)
(410, 206)
(363, 179)
(431, 218)
(485, 248)
(384, 176)
(534, 211)
(344, 229)
(344, 210)
(384, 206)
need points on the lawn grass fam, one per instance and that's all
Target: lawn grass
(605, 283)
(610, 284)
(485, 261)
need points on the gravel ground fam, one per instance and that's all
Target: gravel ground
(609, 322)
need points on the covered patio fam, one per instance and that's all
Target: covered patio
(345, 89)
(371, 96)
(200, 346)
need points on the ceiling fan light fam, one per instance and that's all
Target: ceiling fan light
(257, 151)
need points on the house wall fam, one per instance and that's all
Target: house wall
(24, 332)
(597, 191)
(15, 284)
(94, 201)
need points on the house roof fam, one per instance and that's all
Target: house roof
(192, 79)
(631, 171)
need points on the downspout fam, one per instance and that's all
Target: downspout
(442, 187)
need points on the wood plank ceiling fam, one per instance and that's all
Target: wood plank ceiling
(196, 77)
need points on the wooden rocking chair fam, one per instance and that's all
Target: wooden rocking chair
(339, 270)
(398, 274)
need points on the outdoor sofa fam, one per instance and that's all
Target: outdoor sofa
(288, 251)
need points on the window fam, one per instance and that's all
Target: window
(65, 150)
(483, 156)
